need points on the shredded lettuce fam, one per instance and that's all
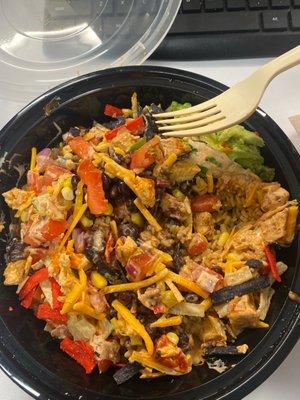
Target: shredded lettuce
(243, 147)
(80, 328)
(175, 106)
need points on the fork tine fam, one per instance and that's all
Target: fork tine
(198, 108)
(191, 117)
(191, 125)
(211, 127)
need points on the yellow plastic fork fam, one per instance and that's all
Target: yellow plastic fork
(229, 108)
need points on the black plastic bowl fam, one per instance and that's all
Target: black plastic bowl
(28, 354)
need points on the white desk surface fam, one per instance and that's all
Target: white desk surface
(281, 101)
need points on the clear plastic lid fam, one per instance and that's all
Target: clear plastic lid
(46, 42)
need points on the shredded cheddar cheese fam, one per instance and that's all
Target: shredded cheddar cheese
(165, 322)
(84, 308)
(73, 225)
(124, 287)
(150, 362)
(135, 324)
(210, 182)
(148, 216)
(33, 158)
(178, 296)
(187, 284)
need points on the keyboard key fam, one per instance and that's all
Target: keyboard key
(213, 5)
(239, 21)
(258, 4)
(295, 19)
(280, 3)
(275, 20)
(191, 5)
(236, 4)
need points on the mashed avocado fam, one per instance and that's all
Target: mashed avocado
(243, 147)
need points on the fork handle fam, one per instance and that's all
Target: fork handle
(280, 64)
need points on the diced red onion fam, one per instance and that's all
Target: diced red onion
(79, 240)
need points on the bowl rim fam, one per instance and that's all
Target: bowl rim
(37, 387)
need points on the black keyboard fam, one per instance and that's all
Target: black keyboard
(215, 29)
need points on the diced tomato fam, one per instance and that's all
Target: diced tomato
(34, 182)
(92, 178)
(143, 157)
(104, 365)
(197, 244)
(81, 148)
(272, 263)
(112, 111)
(206, 278)
(45, 312)
(52, 173)
(179, 362)
(205, 202)
(159, 308)
(38, 254)
(135, 125)
(138, 265)
(81, 352)
(112, 133)
(56, 292)
(54, 228)
(32, 282)
(110, 244)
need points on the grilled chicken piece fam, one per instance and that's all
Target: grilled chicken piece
(242, 313)
(174, 145)
(272, 196)
(213, 331)
(175, 208)
(203, 223)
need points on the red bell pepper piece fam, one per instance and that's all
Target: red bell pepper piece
(81, 148)
(110, 243)
(33, 281)
(205, 202)
(56, 292)
(143, 157)
(112, 111)
(272, 263)
(197, 244)
(81, 352)
(27, 300)
(92, 178)
(45, 312)
(112, 133)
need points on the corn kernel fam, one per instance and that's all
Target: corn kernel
(169, 299)
(86, 222)
(67, 193)
(137, 219)
(173, 337)
(223, 238)
(120, 151)
(68, 182)
(98, 280)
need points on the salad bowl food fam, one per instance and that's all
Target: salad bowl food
(145, 257)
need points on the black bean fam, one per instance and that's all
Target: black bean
(15, 250)
(126, 298)
(184, 342)
(117, 157)
(107, 182)
(177, 257)
(74, 181)
(217, 269)
(192, 298)
(151, 127)
(186, 187)
(129, 229)
(120, 190)
(112, 313)
(253, 263)
(92, 254)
